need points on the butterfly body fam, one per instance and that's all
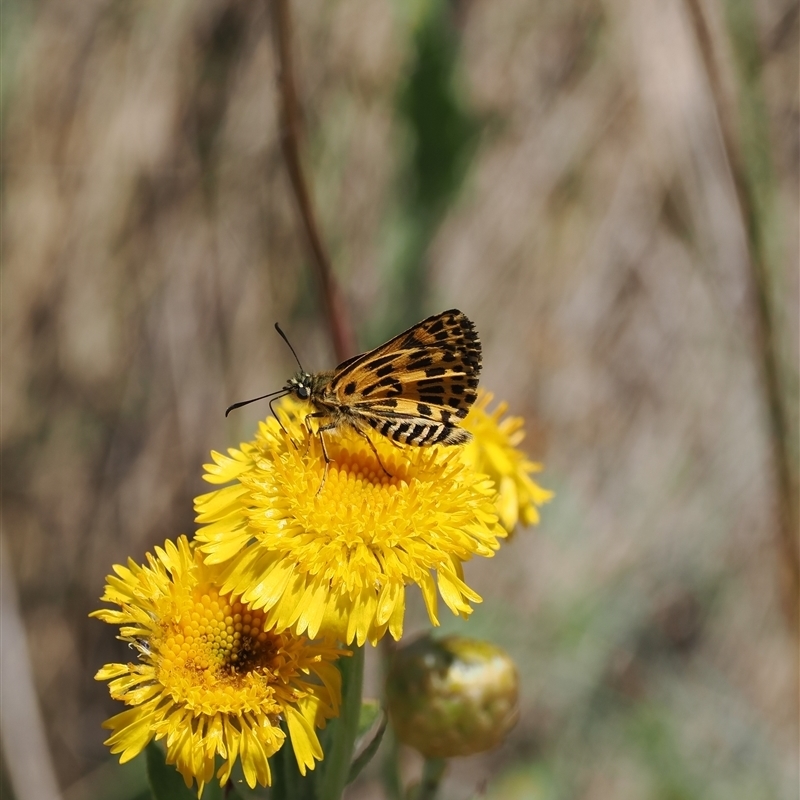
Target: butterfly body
(414, 389)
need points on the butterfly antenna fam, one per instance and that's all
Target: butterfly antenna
(283, 336)
(247, 402)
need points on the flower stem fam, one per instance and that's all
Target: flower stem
(390, 768)
(340, 735)
(432, 774)
(287, 783)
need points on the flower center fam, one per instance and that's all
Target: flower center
(215, 653)
(355, 475)
(209, 632)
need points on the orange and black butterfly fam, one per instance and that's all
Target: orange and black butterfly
(414, 390)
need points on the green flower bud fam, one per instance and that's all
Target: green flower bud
(452, 697)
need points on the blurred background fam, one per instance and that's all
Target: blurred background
(566, 173)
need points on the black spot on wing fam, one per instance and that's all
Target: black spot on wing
(442, 434)
(417, 433)
(379, 362)
(400, 431)
(452, 435)
(350, 388)
(431, 434)
(389, 383)
(388, 380)
(437, 327)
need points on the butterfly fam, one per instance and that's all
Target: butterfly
(413, 390)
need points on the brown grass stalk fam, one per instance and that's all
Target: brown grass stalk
(764, 333)
(290, 135)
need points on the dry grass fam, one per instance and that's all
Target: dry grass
(150, 241)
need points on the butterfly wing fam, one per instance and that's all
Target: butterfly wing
(417, 386)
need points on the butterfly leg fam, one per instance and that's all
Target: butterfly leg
(320, 430)
(294, 444)
(364, 435)
(324, 452)
(314, 415)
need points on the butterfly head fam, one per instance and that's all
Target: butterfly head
(302, 385)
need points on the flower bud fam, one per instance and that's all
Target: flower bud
(453, 696)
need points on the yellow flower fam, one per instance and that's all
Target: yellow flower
(338, 559)
(212, 679)
(493, 450)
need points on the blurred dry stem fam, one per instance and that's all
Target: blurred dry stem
(763, 328)
(290, 135)
(25, 751)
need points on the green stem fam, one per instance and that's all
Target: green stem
(340, 735)
(287, 783)
(390, 767)
(432, 774)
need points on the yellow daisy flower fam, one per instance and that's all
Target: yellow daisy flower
(338, 559)
(212, 678)
(494, 451)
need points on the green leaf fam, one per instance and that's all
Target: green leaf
(165, 781)
(370, 711)
(369, 751)
(230, 793)
(287, 782)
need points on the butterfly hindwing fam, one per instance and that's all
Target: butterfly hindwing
(417, 431)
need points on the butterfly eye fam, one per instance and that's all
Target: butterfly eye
(302, 392)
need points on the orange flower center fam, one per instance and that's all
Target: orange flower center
(209, 632)
(354, 473)
(215, 653)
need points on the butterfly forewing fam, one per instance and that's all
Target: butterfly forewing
(416, 387)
